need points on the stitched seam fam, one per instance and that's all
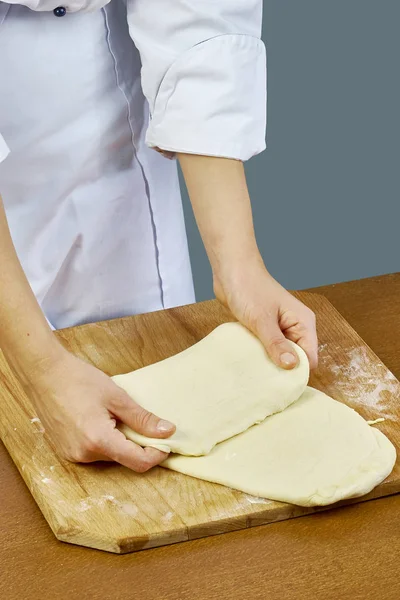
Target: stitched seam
(3, 12)
(146, 182)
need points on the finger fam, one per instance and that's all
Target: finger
(309, 343)
(306, 338)
(116, 447)
(139, 419)
(276, 345)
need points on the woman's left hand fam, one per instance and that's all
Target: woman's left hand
(262, 305)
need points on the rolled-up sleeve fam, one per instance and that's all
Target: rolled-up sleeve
(3, 148)
(203, 74)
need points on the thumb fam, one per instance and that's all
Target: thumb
(139, 419)
(277, 346)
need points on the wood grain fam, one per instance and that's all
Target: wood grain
(352, 552)
(372, 306)
(110, 508)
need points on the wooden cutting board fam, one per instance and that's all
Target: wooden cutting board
(108, 507)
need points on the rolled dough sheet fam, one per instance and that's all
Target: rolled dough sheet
(315, 452)
(213, 390)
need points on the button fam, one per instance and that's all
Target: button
(60, 11)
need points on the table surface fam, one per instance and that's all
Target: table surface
(352, 552)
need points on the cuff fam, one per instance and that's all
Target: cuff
(213, 100)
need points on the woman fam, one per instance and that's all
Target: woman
(88, 92)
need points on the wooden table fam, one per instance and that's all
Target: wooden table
(351, 553)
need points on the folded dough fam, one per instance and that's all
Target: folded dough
(315, 452)
(213, 390)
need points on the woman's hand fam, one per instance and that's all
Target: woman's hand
(221, 204)
(260, 303)
(79, 406)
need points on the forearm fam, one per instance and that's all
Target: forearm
(221, 204)
(25, 336)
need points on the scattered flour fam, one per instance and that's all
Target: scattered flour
(129, 508)
(256, 500)
(40, 428)
(90, 502)
(366, 383)
(168, 516)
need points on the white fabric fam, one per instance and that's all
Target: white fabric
(95, 215)
(204, 71)
(204, 74)
(213, 390)
(70, 5)
(88, 203)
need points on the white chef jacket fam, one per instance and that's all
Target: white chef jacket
(94, 212)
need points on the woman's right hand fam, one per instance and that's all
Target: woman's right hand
(79, 406)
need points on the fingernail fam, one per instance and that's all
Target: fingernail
(288, 359)
(163, 426)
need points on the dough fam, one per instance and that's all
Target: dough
(214, 390)
(315, 452)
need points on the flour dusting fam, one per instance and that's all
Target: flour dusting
(256, 500)
(40, 428)
(168, 516)
(83, 506)
(128, 508)
(367, 383)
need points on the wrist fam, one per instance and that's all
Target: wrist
(30, 364)
(237, 275)
(236, 265)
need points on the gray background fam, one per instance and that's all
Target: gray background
(326, 191)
